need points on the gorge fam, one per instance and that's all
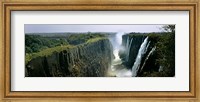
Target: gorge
(112, 55)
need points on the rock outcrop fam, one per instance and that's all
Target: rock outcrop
(91, 59)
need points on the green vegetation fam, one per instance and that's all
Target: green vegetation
(39, 46)
(36, 43)
(166, 53)
(46, 52)
(165, 56)
(95, 39)
(162, 62)
(82, 38)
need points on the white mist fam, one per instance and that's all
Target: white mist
(117, 68)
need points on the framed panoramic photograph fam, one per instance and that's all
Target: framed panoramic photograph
(99, 49)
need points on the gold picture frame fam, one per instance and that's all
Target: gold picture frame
(127, 5)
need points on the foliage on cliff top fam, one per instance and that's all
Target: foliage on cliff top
(96, 39)
(154, 36)
(50, 51)
(36, 43)
(151, 35)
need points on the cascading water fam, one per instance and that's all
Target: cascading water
(143, 49)
(128, 49)
(150, 53)
(116, 47)
(117, 69)
(127, 44)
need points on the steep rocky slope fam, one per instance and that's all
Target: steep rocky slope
(91, 59)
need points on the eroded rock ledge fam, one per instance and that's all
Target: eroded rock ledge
(91, 59)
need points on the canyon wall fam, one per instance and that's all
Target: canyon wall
(132, 43)
(91, 59)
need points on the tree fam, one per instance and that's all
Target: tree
(169, 28)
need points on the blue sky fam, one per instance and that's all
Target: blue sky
(48, 28)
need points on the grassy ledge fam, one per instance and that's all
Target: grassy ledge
(50, 51)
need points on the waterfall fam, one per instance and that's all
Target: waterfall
(117, 46)
(151, 52)
(117, 68)
(143, 49)
(116, 43)
(128, 50)
(127, 43)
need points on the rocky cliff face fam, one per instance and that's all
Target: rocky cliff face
(133, 47)
(132, 44)
(89, 60)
